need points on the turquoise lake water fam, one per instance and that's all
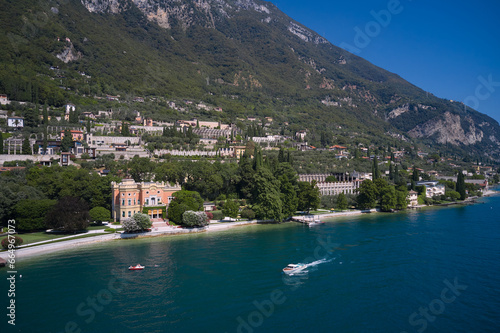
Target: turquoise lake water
(432, 270)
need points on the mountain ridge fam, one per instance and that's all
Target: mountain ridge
(211, 49)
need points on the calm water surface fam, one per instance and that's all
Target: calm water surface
(435, 270)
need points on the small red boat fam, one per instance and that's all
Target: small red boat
(137, 267)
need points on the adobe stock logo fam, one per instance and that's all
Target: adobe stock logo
(484, 90)
(425, 315)
(372, 29)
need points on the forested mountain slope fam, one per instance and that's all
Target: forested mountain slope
(244, 56)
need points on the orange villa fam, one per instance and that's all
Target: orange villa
(76, 135)
(130, 197)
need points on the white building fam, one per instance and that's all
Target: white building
(4, 99)
(432, 188)
(335, 188)
(17, 122)
(412, 198)
(70, 108)
(95, 140)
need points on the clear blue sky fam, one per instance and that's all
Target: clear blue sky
(449, 48)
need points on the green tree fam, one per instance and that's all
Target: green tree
(281, 156)
(367, 197)
(45, 115)
(401, 197)
(183, 201)
(397, 178)
(453, 195)
(245, 182)
(45, 140)
(70, 214)
(267, 196)
(125, 129)
(31, 118)
(415, 176)
(67, 141)
(73, 117)
(461, 186)
(341, 202)
(141, 168)
(331, 179)
(1, 143)
(30, 213)
(99, 214)
(388, 199)
(289, 196)
(257, 159)
(375, 169)
(26, 147)
(380, 184)
(309, 196)
(230, 208)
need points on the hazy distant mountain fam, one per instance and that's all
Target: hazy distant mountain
(245, 56)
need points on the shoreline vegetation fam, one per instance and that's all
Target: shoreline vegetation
(61, 245)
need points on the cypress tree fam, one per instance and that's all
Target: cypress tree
(375, 170)
(1, 143)
(67, 141)
(125, 130)
(257, 159)
(461, 185)
(73, 117)
(396, 175)
(26, 147)
(281, 157)
(45, 114)
(45, 144)
(415, 176)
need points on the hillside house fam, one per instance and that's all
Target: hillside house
(233, 151)
(16, 122)
(4, 99)
(75, 134)
(412, 198)
(69, 108)
(89, 115)
(301, 135)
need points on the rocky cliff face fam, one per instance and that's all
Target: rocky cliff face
(449, 129)
(69, 54)
(104, 6)
(187, 12)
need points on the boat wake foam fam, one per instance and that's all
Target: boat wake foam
(312, 264)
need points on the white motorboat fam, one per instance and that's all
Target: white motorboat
(137, 267)
(294, 268)
(315, 222)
